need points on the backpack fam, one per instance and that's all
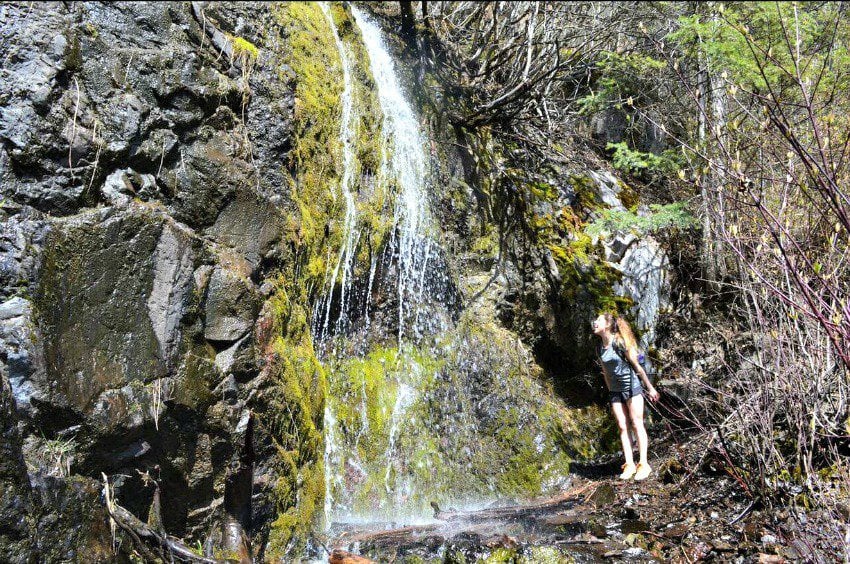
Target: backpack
(643, 360)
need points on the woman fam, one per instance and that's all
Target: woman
(623, 377)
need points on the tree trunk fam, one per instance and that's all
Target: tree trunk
(710, 254)
(408, 23)
(426, 20)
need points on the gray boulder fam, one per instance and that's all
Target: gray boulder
(231, 307)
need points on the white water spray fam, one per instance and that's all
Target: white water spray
(404, 162)
(345, 261)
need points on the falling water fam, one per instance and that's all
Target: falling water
(403, 171)
(346, 256)
(421, 438)
(347, 251)
(404, 162)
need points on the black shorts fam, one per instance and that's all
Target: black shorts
(623, 397)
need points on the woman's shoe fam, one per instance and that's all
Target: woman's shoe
(643, 471)
(629, 470)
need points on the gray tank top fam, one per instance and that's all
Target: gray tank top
(619, 371)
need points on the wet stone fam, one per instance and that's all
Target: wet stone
(604, 495)
(231, 307)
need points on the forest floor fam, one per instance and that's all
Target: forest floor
(688, 510)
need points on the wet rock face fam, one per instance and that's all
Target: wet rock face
(641, 261)
(14, 484)
(143, 204)
(231, 307)
(550, 301)
(645, 280)
(44, 518)
(105, 276)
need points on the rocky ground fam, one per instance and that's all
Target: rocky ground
(689, 510)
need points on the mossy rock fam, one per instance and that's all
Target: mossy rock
(98, 280)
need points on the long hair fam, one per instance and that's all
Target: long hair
(624, 338)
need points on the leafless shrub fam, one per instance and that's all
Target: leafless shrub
(159, 394)
(771, 165)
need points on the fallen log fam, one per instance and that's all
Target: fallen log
(514, 511)
(550, 511)
(153, 545)
(342, 557)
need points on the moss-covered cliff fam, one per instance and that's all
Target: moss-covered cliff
(172, 203)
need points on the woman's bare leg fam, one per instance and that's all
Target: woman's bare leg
(636, 414)
(620, 416)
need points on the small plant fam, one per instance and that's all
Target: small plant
(244, 49)
(245, 53)
(109, 500)
(660, 217)
(637, 162)
(160, 393)
(55, 456)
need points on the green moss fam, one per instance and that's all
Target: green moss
(455, 557)
(243, 49)
(195, 381)
(586, 193)
(312, 56)
(588, 432)
(545, 555)
(486, 245)
(501, 555)
(373, 379)
(581, 264)
(365, 394)
(628, 196)
(479, 370)
(313, 68)
(294, 418)
(316, 157)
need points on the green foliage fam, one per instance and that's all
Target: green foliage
(747, 41)
(673, 216)
(635, 162)
(623, 81)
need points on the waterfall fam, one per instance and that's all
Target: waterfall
(344, 263)
(403, 171)
(322, 314)
(404, 161)
(433, 412)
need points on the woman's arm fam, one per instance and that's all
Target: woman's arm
(604, 374)
(633, 360)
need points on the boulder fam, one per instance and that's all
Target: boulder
(646, 281)
(231, 307)
(251, 225)
(110, 298)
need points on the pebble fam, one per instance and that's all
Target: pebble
(768, 539)
(715, 515)
(722, 546)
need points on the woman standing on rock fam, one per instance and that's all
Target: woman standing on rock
(623, 376)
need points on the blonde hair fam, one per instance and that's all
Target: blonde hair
(624, 338)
